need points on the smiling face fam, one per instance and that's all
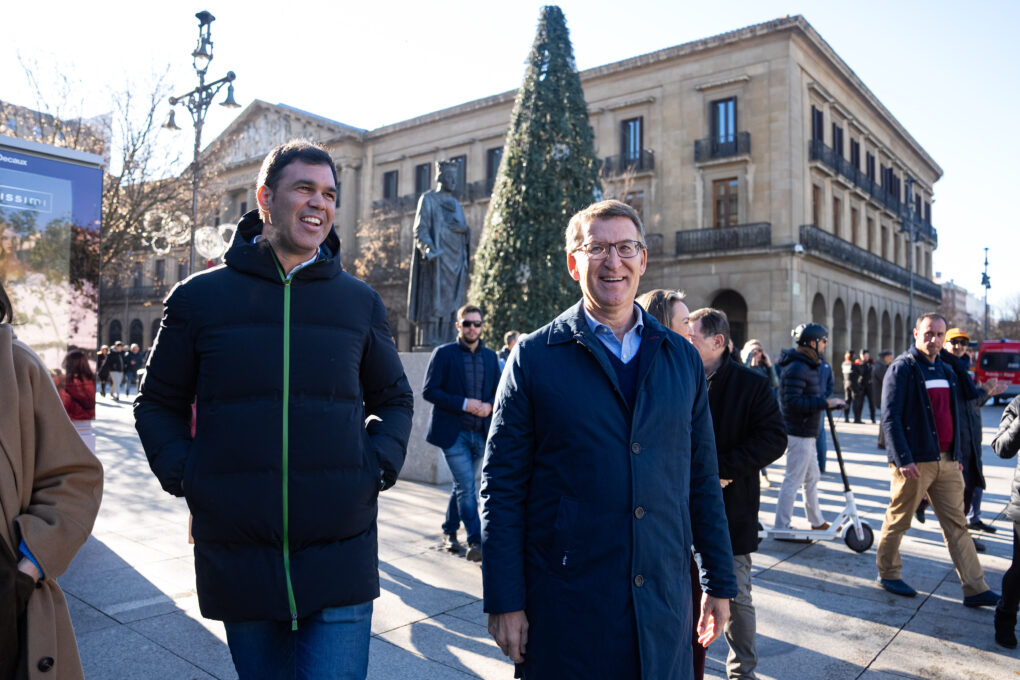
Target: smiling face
(299, 211)
(609, 285)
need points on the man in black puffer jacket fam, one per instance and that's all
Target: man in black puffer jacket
(286, 356)
(800, 395)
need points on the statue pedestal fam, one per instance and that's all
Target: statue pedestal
(424, 462)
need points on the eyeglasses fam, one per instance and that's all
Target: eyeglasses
(597, 250)
(958, 341)
(471, 324)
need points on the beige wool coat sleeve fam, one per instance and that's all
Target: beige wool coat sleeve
(51, 485)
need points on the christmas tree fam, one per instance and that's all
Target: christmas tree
(547, 173)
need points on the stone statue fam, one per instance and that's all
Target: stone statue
(439, 263)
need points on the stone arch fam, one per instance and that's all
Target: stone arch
(136, 333)
(872, 342)
(733, 303)
(899, 341)
(856, 328)
(114, 333)
(887, 338)
(818, 314)
(838, 333)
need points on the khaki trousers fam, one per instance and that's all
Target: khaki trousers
(943, 482)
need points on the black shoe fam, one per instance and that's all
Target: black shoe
(858, 421)
(981, 526)
(897, 586)
(474, 553)
(919, 514)
(979, 546)
(451, 544)
(1005, 629)
(985, 599)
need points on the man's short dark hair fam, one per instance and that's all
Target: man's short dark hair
(469, 309)
(285, 154)
(600, 211)
(713, 322)
(510, 336)
(932, 316)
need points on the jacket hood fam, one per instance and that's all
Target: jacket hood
(258, 259)
(790, 354)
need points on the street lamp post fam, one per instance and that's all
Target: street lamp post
(197, 102)
(908, 227)
(987, 283)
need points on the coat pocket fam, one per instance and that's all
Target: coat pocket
(567, 540)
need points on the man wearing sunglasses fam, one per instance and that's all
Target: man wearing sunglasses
(600, 472)
(460, 382)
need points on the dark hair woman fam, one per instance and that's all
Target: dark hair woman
(79, 390)
(48, 504)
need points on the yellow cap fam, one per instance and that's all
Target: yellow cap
(954, 333)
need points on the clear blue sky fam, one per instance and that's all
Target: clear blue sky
(946, 70)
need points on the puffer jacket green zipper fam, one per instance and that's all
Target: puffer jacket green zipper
(286, 441)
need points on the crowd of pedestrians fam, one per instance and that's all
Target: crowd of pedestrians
(620, 450)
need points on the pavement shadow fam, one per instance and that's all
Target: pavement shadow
(125, 622)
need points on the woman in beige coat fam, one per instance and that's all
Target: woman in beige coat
(50, 488)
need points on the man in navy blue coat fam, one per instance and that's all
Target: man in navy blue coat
(600, 473)
(460, 382)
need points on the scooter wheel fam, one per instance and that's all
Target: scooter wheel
(855, 544)
(761, 530)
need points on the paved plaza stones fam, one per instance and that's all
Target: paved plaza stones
(821, 616)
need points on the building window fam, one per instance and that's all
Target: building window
(492, 158)
(244, 207)
(115, 333)
(837, 139)
(869, 166)
(389, 185)
(817, 124)
(724, 192)
(853, 226)
(724, 121)
(917, 205)
(159, 273)
(855, 154)
(631, 142)
(837, 211)
(461, 162)
(422, 178)
(885, 242)
(927, 212)
(182, 270)
(871, 235)
(135, 333)
(154, 330)
(896, 249)
(136, 275)
(816, 205)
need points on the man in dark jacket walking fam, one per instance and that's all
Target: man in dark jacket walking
(885, 358)
(861, 375)
(749, 434)
(303, 416)
(460, 383)
(800, 393)
(600, 472)
(922, 432)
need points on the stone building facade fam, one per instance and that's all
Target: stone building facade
(772, 182)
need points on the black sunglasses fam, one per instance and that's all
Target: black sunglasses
(958, 341)
(471, 324)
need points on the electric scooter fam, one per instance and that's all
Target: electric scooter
(856, 532)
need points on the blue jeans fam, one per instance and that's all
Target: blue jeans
(331, 644)
(465, 460)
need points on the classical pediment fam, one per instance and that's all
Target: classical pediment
(261, 126)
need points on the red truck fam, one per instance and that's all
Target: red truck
(1000, 359)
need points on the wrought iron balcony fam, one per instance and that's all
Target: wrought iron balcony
(820, 152)
(815, 240)
(614, 166)
(711, 149)
(112, 293)
(740, 237)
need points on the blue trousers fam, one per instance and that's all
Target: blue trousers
(331, 644)
(465, 460)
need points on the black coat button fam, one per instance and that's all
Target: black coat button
(635, 447)
(639, 512)
(639, 580)
(45, 663)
